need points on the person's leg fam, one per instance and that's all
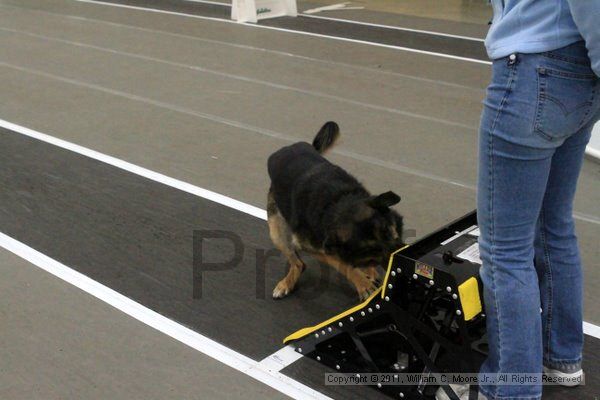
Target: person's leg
(557, 259)
(512, 182)
(556, 252)
(535, 104)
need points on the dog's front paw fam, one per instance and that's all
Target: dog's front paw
(366, 289)
(366, 281)
(372, 274)
(281, 290)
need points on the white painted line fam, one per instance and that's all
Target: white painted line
(280, 359)
(169, 327)
(586, 217)
(592, 152)
(343, 39)
(338, 6)
(261, 49)
(344, 6)
(209, 2)
(458, 234)
(315, 10)
(241, 125)
(332, 6)
(591, 330)
(398, 28)
(250, 80)
(135, 169)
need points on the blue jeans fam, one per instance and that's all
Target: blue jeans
(537, 120)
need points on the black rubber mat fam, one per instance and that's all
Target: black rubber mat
(387, 36)
(180, 6)
(393, 37)
(136, 236)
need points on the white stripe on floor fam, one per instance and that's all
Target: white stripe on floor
(407, 49)
(352, 21)
(254, 48)
(141, 171)
(261, 371)
(246, 79)
(280, 359)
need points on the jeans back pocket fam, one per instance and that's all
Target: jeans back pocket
(565, 102)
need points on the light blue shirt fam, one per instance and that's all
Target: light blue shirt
(534, 26)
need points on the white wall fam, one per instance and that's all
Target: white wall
(593, 148)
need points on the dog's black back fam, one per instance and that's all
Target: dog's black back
(304, 183)
(327, 207)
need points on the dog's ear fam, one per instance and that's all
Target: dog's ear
(384, 200)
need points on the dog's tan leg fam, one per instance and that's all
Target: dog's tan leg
(287, 284)
(364, 280)
(371, 273)
(282, 239)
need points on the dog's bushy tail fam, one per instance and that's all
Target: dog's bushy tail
(327, 136)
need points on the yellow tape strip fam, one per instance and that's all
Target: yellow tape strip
(389, 269)
(307, 331)
(468, 292)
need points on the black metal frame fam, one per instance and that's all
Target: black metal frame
(414, 324)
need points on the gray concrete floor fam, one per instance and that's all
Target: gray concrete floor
(206, 102)
(57, 342)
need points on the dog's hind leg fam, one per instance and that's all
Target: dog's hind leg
(282, 239)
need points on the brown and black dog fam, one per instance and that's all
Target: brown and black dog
(317, 207)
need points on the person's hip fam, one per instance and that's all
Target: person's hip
(539, 100)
